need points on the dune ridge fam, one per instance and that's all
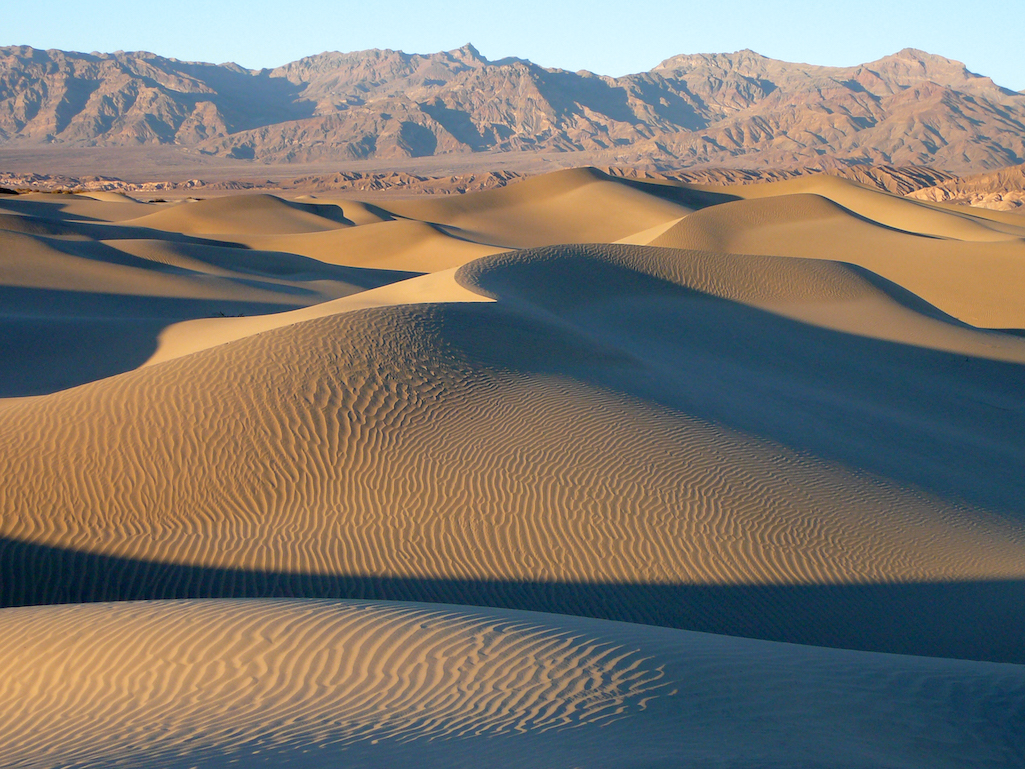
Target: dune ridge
(397, 455)
(788, 412)
(969, 267)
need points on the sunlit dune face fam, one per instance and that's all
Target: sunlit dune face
(771, 413)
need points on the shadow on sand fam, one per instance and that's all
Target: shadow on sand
(980, 620)
(946, 423)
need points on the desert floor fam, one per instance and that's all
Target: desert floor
(582, 471)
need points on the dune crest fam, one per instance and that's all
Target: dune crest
(779, 413)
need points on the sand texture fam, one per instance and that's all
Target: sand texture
(581, 471)
(324, 683)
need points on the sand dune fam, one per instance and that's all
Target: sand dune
(397, 244)
(84, 297)
(77, 207)
(181, 684)
(192, 336)
(577, 206)
(463, 441)
(255, 214)
(779, 412)
(108, 197)
(972, 272)
(896, 211)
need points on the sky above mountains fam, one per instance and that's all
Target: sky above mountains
(609, 37)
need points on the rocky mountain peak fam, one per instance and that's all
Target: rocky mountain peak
(726, 109)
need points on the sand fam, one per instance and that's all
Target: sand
(579, 470)
(320, 683)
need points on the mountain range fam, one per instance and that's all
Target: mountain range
(728, 110)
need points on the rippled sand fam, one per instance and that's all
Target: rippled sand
(788, 412)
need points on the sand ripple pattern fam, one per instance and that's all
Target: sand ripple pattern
(503, 443)
(372, 443)
(133, 683)
(728, 276)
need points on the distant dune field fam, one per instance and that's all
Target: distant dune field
(755, 452)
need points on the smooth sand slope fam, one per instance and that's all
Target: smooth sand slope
(970, 265)
(785, 416)
(260, 215)
(578, 206)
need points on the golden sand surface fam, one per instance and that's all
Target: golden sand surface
(582, 470)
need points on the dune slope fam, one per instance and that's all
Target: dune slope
(953, 261)
(214, 683)
(590, 427)
(577, 206)
(789, 415)
(85, 292)
(256, 214)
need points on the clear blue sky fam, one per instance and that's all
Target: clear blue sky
(610, 37)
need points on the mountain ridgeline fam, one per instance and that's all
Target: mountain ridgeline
(739, 109)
